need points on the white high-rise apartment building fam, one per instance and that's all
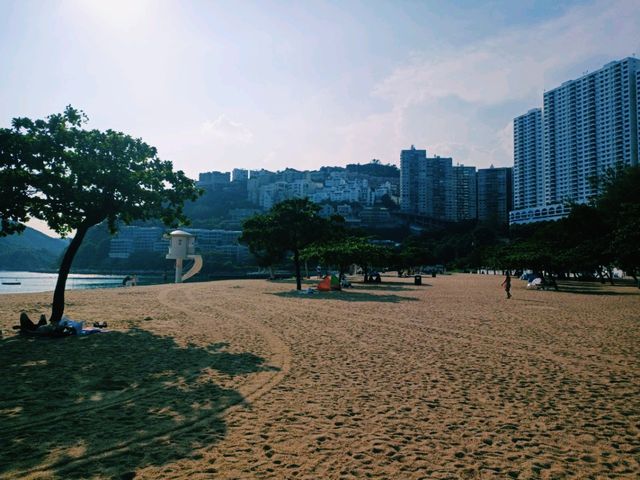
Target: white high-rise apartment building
(589, 125)
(528, 174)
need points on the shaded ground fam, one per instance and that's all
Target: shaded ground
(449, 380)
(91, 398)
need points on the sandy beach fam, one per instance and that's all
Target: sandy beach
(249, 379)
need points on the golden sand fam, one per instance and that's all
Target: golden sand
(249, 379)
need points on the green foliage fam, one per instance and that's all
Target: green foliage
(15, 188)
(74, 179)
(620, 209)
(30, 250)
(415, 252)
(211, 210)
(592, 239)
(290, 226)
(374, 169)
(388, 203)
(82, 177)
(347, 251)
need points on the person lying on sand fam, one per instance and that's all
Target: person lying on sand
(64, 328)
(41, 328)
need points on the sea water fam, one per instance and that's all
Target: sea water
(29, 282)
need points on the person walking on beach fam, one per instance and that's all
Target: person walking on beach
(507, 285)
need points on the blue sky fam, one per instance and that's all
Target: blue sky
(271, 84)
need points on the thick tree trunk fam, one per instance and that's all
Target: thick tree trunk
(296, 261)
(57, 308)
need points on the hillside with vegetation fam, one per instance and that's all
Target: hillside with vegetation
(30, 250)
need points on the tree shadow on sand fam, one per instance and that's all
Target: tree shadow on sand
(389, 287)
(596, 289)
(108, 404)
(346, 296)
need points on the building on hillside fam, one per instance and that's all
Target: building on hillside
(426, 185)
(465, 193)
(326, 210)
(208, 179)
(440, 189)
(235, 253)
(134, 239)
(413, 180)
(207, 239)
(374, 216)
(239, 175)
(291, 174)
(273, 193)
(589, 125)
(385, 188)
(495, 194)
(301, 188)
(344, 210)
(239, 215)
(130, 240)
(258, 179)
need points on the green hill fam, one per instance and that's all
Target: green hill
(31, 250)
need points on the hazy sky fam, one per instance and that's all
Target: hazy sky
(223, 84)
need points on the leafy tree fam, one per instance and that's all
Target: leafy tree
(78, 178)
(619, 206)
(374, 169)
(259, 233)
(626, 241)
(388, 203)
(414, 253)
(290, 226)
(345, 252)
(585, 241)
(15, 190)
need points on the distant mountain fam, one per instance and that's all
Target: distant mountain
(31, 250)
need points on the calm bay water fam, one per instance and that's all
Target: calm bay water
(44, 282)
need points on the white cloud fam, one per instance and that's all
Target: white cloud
(516, 63)
(458, 102)
(227, 130)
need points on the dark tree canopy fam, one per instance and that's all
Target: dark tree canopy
(289, 226)
(591, 240)
(347, 251)
(73, 179)
(15, 186)
(76, 176)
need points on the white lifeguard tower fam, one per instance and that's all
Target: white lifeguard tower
(182, 246)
